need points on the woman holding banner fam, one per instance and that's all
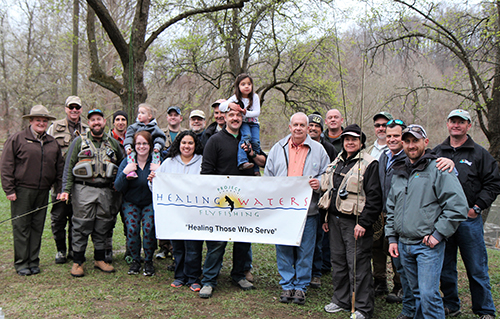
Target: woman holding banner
(184, 157)
(137, 204)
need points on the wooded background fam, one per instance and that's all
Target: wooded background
(416, 60)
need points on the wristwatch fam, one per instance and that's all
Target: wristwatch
(477, 210)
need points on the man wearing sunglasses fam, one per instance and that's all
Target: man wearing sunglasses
(425, 206)
(480, 179)
(65, 131)
(379, 124)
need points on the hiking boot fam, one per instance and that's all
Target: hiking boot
(103, 266)
(24, 272)
(244, 284)
(315, 282)
(333, 307)
(249, 276)
(77, 270)
(206, 292)
(451, 313)
(35, 270)
(149, 269)
(134, 268)
(245, 166)
(61, 257)
(299, 297)
(131, 175)
(395, 296)
(381, 287)
(286, 296)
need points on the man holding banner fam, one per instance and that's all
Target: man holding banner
(298, 155)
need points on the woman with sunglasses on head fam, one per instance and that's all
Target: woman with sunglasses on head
(137, 204)
(184, 157)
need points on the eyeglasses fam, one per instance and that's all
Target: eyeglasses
(397, 122)
(74, 106)
(417, 129)
(377, 125)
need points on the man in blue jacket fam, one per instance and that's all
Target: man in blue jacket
(424, 207)
(478, 174)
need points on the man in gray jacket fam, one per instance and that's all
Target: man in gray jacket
(424, 207)
(298, 155)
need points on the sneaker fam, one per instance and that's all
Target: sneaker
(286, 296)
(358, 315)
(61, 257)
(244, 284)
(401, 316)
(299, 297)
(149, 269)
(395, 296)
(195, 287)
(77, 270)
(206, 292)
(245, 166)
(134, 268)
(487, 317)
(177, 283)
(451, 313)
(131, 175)
(103, 266)
(333, 307)
(315, 282)
(161, 254)
(35, 270)
(24, 272)
(249, 276)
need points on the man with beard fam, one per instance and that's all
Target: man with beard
(91, 167)
(120, 124)
(65, 131)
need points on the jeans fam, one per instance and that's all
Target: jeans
(408, 298)
(295, 263)
(318, 251)
(187, 256)
(214, 257)
(249, 133)
(422, 267)
(469, 237)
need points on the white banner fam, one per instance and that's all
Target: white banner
(270, 210)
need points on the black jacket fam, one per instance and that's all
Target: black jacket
(330, 150)
(209, 131)
(477, 171)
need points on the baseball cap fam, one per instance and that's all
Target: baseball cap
(387, 115)
(95, 111)
(415, 130)
(317, 119)
(73, 99)
(463, 114)
(174, 108)
(198, 113)
(354, 130)
(218, 102)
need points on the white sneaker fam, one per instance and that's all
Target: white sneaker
(206, 292)
(333, 307)
(357, 315)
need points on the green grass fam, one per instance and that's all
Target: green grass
(55, 294)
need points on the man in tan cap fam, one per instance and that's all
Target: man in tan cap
(65, 131)
(31, 164)
(197, 122)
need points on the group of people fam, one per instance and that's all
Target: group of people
(395, 198)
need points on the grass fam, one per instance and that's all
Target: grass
(55, 294)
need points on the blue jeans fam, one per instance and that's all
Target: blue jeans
(249, 133)
(295, 263)
(469, 237)
(318, 250)
(187, 256)
(214, 257)
(422, 267)
(408, 299)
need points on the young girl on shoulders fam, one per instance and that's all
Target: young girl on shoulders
(247, 102)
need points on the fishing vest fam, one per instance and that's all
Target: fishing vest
(60, 131)
(351, 196)
(95, 162)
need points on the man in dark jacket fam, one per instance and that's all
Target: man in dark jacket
(424, 207)
(215, 126)
(478, 174)
(31, 164)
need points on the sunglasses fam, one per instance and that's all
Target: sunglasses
(417, 129)
(74, 106)
(397, 122)
(377, 125)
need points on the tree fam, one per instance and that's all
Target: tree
(469, 36)
(129, 85)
